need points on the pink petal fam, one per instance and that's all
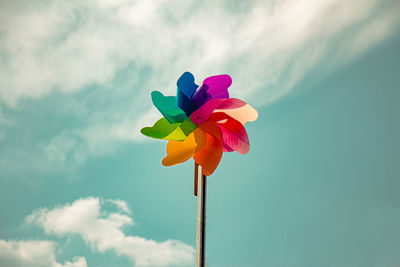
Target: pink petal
(203, 113)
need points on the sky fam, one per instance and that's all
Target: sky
(80, 187)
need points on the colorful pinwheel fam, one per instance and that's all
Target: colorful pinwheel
(201, 122)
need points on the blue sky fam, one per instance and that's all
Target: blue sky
(79, 186)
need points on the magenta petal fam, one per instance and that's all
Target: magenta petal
(233, 133)
(226, 148)
(234, 136)
(201, 115)
(218, 85)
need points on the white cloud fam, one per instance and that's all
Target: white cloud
(267, 47)
(33, 254)
(102, 231)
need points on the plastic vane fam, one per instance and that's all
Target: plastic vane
(201, 122)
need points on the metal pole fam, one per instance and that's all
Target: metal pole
(201, 217)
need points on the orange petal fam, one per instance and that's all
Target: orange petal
(210, 155)
(200, 139)
(210, 126)
(181, 151)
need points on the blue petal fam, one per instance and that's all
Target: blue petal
(185, 91)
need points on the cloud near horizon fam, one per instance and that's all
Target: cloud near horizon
(33, 253)
(102, 231)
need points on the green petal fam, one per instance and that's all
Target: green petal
(162, 129)
(167, 106)
(188, 126)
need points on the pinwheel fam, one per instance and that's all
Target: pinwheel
(201, 122)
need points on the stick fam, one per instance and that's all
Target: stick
(196, 172)
(201, 217)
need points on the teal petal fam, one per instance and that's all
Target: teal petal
(167, 106)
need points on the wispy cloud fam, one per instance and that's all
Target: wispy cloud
(118, 51)
(33, 253)
(102, 231)
(267, 47)
(121, 205)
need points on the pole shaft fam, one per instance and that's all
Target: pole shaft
(196, 173)
(201, 217)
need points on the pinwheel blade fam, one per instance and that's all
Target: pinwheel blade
(185, 91)
(167, 107)
(218, 85)
(242, 114)
(181, 151)
(162, 129)
(202, 114)
(234, 135)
